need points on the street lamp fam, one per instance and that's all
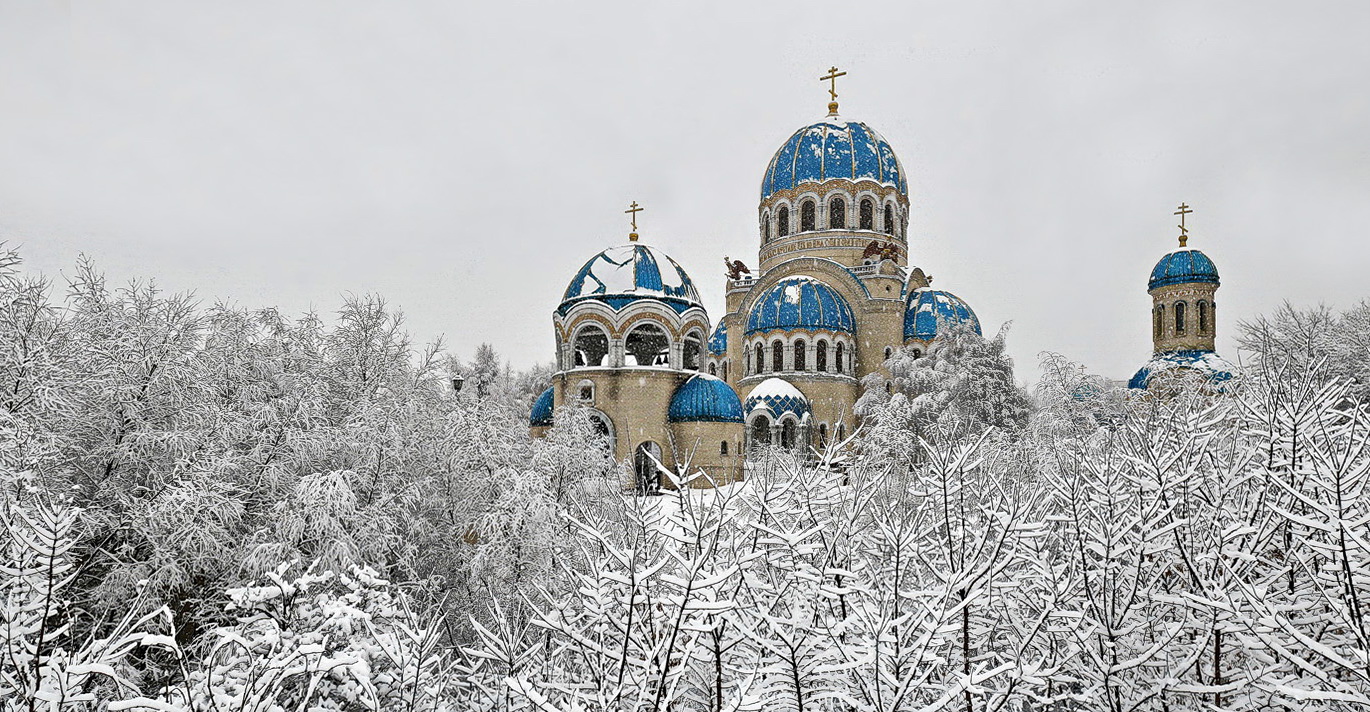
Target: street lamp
(457, 381)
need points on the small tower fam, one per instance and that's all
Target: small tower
(1183, 313)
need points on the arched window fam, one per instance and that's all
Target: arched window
(889, 387)
(760, 359)
(725, 371)
(713, 369)
(1179, 317)
(1203, 317)
(889, 219)
(800, 352)
(867, 214)
(778, 356)
(837, 214)
(841, 432)
(591, 346)
(783, 222)
(587, 391)
(888, 353)
(645, 467)
(1158, 322)
(788, 431)
(840, 364)
(821, 357)
(761, 431)
(822, 435)
(918, 353)
(692, 351)
(648, 345)
(807, 216)
(765, 228)
(723, 448)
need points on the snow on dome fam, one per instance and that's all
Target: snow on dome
(779, 396)
(718, 342)
(623, 274)
(1183, 267)
(1217, 369)
(929, 310)
(705, 398)
(800, 302)
(833, 149)
(542, 410)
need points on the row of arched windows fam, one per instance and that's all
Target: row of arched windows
(779, 356)
(837, 218)
(719, 368)
(787, 433)
(646, 344)
(1179, 319)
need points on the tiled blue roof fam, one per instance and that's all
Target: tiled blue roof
(929, 310)
(833, 149)
(1183, 267)
(800, 302)
(779, 396)
(705, 398)
(718, 342)
(1217, 369)
(621, 275)
(542, 410)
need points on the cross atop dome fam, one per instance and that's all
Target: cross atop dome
(633, 210)
(831, 78)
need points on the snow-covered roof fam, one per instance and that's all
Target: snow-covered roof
(1216, 368)
(830, 149)
(779, 396)
(800, 302)
(620, 275)
(705, 398)
(929, 310)
(1183, 267)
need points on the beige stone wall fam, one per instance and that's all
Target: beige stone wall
(635, 400)
(1192, 337)
(700, 444)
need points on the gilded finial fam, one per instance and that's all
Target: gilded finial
(831, 78)
(633, 210)
(1184, 231)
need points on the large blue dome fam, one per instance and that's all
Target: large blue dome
(800, 302)
(621, 275)
(1183, 267)
(833, 149)
(1214, 368)
(930, 311)
(542, 410)
(705, 398)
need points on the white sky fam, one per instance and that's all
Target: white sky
(464, 160)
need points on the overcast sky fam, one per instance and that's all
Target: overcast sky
(464, 159)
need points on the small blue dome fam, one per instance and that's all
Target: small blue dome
(542, 410)
(929, 310)
(800, 302)
(705, 398)
(779, 397)
(718, 343)
(1218, 370)
(1183, 267)
(833, 149)
(621, 275)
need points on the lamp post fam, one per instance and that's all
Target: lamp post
(457, 381)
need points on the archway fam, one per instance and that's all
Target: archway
(647, 474)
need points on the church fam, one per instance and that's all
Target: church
(832, 297)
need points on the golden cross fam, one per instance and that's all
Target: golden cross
(833, 74)
(633, 210)
(1184, 231)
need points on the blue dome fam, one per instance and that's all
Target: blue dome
(1183, 267)
(931, 310)
(622, 275)
(800, 302)
(833, 149)
(779, 397)
(1217, 369)
(542, 410)
(705, 398)
(718, 343)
